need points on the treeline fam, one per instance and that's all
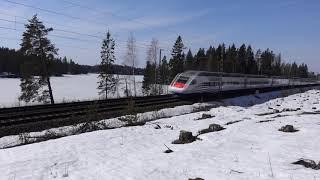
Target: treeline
(243, 60)
(119, 69)
(229, 59)
(15, 62)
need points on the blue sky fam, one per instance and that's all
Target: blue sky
(287, 27)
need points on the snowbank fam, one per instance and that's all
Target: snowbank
(252, 148)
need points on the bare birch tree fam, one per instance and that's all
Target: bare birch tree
(131, 58)
(152, 57)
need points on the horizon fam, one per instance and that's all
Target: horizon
(284, 27)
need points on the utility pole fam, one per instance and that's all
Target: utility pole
(161, 75)
(155, 69)
(134, 77)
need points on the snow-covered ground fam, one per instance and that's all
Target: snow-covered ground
(66, 88)
(244, 150)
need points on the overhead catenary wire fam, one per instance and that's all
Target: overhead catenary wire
(140, 45)
(120, 16)
(118, 44)
(82, 19)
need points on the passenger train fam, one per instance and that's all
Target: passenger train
(196, 82)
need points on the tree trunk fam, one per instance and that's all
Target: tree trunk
(134, 83)
(106, 88)
(46, 73)
(127, 92)
(50, 90)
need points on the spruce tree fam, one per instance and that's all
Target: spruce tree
(189, 61)
(107, 82)
(252, 67)
(220, 57)
(294, 70)
(242, 59)
(267, 59)
(276, 67)
(213, 62)
(148, 78)
(164, 71)
(201, 60)
(176, 63)
(36, 44)
(228, 62)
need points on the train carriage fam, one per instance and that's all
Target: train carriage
(195, 82)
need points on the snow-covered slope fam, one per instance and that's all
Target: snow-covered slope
(252, 148)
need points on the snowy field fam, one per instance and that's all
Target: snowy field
(249, 149)
(67, 88)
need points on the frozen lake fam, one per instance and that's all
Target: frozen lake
(66, 88)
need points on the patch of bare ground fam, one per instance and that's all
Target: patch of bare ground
(205, 116)
(212, 128)
(264, 121)
(276, 111)
(232, 122)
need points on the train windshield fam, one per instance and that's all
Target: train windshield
(181, 82)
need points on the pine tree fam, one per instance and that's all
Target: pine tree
(107, 82)
(36, 44)
(176, 63)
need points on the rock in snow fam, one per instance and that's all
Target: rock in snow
(185, 137)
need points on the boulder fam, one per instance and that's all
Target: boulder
(205, 116)
(288, 128)
(184, 138)
(216, 127)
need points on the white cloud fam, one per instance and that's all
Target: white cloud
(152, 22)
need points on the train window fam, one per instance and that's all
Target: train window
(210, 84)
(182, 79)
(232, 83)
(181, 82)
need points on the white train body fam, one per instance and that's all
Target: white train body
(191, 82)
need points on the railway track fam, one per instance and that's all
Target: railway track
(40, 117)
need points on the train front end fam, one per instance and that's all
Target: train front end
(180, 84)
